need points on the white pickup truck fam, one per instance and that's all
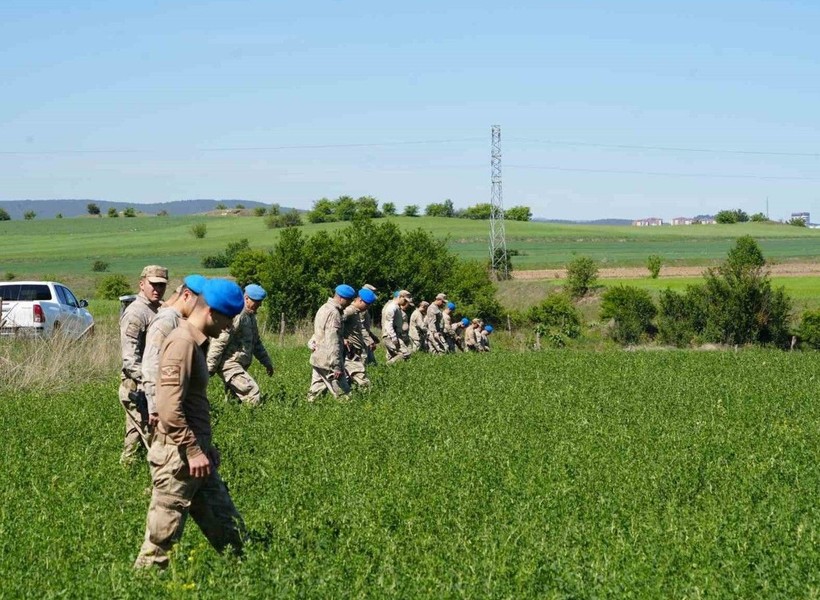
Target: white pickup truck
(42, 309)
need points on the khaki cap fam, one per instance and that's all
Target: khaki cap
(155, 274)
(441, 296)
(372, 288)
(405, 294)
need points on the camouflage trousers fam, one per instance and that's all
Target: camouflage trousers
(240, 385)
(436, 344)
(396, 351)
(137, 432)
(175, 495)
(322, 381)
(417, 345)
(356, 372)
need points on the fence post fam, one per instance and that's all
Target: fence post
(537, 340)
(282, 330)
(509, 325)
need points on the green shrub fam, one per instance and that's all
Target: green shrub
(280, 220)
(632, 310)
(198, 230)
(4, 215)
(411, 210)
(259, 211)
(223, 260)
(99, 266)
(582, 274)
(112, 213)
(29, 215)
(809, 330)
(10, 275)
(129, 212)
(556, 314)
(112, 287)
(654, 263)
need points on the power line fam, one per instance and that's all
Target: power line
(238, 148)
(668, 148)
(663, 173)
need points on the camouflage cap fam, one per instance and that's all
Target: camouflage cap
(155, 274)
(372, 288)
(441, 296)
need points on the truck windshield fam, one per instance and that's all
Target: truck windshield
(14, 292)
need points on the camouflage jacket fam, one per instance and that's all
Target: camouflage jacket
(163, 323)
(133, 327)
(234, 350)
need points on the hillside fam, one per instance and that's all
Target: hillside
(49, 209)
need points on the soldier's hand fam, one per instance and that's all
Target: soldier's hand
(199, 466)
(153, 419)
(337, 374)
(216, 456)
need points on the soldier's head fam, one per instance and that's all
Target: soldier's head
(254, 294)
(344, 294)
(404, 298)
(440, 300)
(488, 329)
(187, 294)
(365, 298)
(372, 288)
(423, 306)
(450, 307)
(465, 322)
(153, 281)
(221, 300)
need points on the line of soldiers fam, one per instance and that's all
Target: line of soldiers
(343, 342)
(167, 361)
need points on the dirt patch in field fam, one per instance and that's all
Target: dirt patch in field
(783, 270)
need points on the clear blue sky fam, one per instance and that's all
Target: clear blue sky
(157, 101)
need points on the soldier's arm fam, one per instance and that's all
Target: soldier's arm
(175, 375)
(131, 329)
(216, 349)
(333, 331)
(387, 323)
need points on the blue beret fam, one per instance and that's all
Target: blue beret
(195, 283)
(367, 295)
(255, 292)
(345, 291)
(465, 321)
(396, 293)
(488, 328)
(451, 305)
(224, 296)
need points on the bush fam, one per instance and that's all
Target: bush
(731, 216)
(29, 215)
(288, 219)
(99, 266)
(809, 330)
(10, 276)
(389, 209)
(92, 208)
(162, 213)
(518, 213)
(112, 287)
(259, 211)
(59, 216)
(129, 212)
(556, 314)
(4, 215)
(220, 206)
(735, 305)
(797, 222)
(632, 310)
(443, 209)
(654, 263)
(411, 210)
(198, 230)
(582, 274)
(112, 213)
(224, 259)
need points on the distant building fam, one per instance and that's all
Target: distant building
(802, 215)
(648, 222)
(683, 221)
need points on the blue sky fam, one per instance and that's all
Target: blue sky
(608, 109)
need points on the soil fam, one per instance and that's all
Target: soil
(783, 270)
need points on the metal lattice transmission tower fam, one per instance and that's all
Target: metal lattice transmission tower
(498, 240)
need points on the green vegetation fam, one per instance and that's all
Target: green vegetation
(552, 474)
(4, 215)
(198, 230)
(29, 215)
(582, 274)
(809, 330)
(112, 287)
(112, 213)
(344, 208)
(631, 310)
(93, 209)
(99, 266)
(654, 264)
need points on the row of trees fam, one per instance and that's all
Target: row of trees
(739, 216)
(300, 270)
(481, 211)
(735, 304)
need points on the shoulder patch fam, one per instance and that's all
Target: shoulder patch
(133, 330)
(170, 375)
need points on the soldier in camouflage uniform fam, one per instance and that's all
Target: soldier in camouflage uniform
(448, 329)
(459, 329)
(484, 338)
(370, 338)
(356, 345)
(232, 353)
(178, 307)
(435, 336)
(327, 346)
(182, 457)
(134, 322)
(392, 327)
(418, 328)
(470, 342)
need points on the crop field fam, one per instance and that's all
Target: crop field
(656, 474)
(69, 246)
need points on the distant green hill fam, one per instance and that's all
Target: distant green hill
(48, 209)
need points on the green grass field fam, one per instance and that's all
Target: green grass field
(534, 475)
(69, 246)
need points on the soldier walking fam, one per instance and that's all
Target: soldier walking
(183, 460)
(485, 338)
(448, 329)
(232, 353)
(178, 307)
(356, 346)
(392, 325)
(435, 336)
(134, 322)
(470, 341)
(327, 344)
(418, 328)
(370, 338)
